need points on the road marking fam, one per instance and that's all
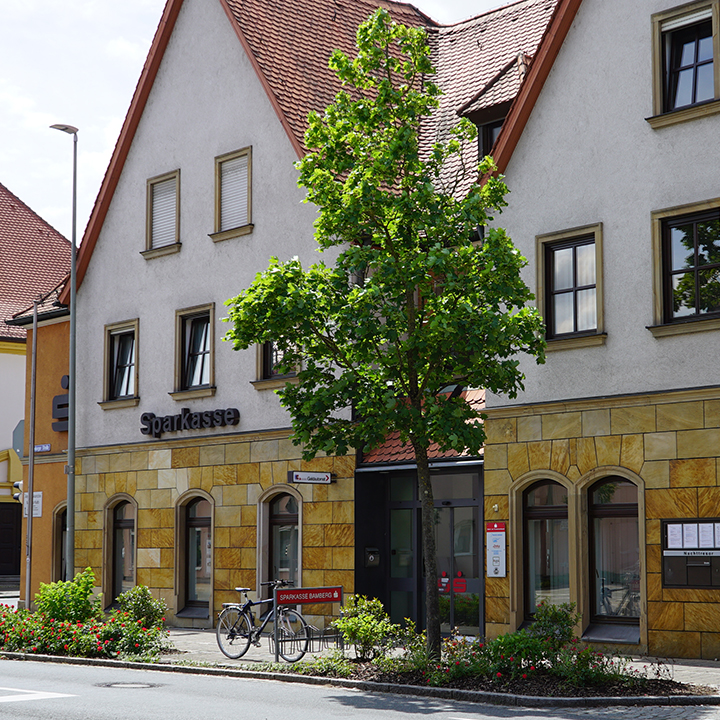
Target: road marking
(22, 695)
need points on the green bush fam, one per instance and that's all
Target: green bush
(120, 634)
(554, 623)
(72, 601)
(142, 607)
(366, 625)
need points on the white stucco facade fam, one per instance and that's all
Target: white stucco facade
(206, 101)
(12, 390)
(588, 156)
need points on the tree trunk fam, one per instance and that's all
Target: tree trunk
(432, 596)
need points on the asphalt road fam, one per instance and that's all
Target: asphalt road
(50, 691)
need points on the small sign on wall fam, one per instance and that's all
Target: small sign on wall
(37, 504)
(496, 553)
(313, 478)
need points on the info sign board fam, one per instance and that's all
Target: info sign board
(311, 478)
(303, 596)
(496, 554)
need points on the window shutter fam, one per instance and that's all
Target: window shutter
(234, 193)
(685, 20)
(164, 213)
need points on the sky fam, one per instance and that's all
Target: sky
(78, 62)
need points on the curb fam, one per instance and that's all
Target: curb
(472, 696)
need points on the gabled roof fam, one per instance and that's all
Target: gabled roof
(478, 69)
(49, 307)
(289, 43)
(394, 451)
(34, 257)
(542, 63)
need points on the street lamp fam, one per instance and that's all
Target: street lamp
(70, 467)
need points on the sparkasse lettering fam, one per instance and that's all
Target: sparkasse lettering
(186, 420)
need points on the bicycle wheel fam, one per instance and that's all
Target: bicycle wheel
(293, 635)
(233, 632)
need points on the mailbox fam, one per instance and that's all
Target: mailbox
(372, 557)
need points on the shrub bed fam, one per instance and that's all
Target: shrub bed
(70, 622)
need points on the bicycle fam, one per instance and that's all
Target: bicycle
(236, 627)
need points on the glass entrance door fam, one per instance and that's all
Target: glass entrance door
(457, 540)
(458, 565)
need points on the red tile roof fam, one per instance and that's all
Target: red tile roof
(289, 43)
(477, 66)
(394, 451)
(34, 257)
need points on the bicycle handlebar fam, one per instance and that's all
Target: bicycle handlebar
(278, 583)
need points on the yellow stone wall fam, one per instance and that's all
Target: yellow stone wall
(235, 472)
(670, 441)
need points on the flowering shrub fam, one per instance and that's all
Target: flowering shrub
(119, 634)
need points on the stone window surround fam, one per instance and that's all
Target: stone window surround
(263, 533)
(180, 583)
(57, 550)
(108, 542)
(660, 118)
(108, 402)
(180, 392)
(599, 336)
(660, 328)
(578, 540)
(151, 252)
(218, 235)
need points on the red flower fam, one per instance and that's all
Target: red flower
(524, 676)
(66, 647)
(499, 674)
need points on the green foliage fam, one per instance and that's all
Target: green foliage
(554, 623)
(334, 665)
(412, 303)
(72, 601)
(142, 607)
(365, 625)
(415, 304)
(118, 635)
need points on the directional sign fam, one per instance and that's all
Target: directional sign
(303, 596)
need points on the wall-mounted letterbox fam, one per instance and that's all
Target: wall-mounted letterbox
(372, 557)
(691, 553)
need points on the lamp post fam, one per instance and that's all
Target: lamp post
(70, 467)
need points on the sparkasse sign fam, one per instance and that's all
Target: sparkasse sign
(186, 420)
(303, 596)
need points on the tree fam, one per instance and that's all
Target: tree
(416, 303)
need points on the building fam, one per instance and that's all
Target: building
(605, 470)
(50, 438)
(34, 257)
(185, 457)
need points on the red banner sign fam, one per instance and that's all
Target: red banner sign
(302, 596)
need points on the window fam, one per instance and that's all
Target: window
(198, 554)
(123, 549)
(570, 285)
(121, 367)
(614, 551)
(546, 552)
(686, 244)
(59, 542)
(487, 135)
(163, 215)
(685, 57)
(233, 195)
(284, 538)
(194, 361)
(269, 357)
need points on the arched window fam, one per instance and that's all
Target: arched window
(123, 548)
(198, 553)
(614, 551)
(284, 538)
(59, 539)
(546, 557)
